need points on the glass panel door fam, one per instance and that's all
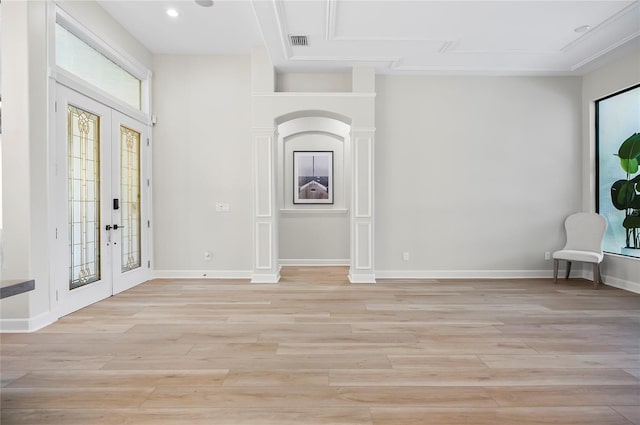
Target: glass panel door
(129, 183)
(101, 197)
(82, 264)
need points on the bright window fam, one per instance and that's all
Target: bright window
(82, 60)
(618, 171)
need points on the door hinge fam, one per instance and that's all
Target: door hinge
(147, 141)
(56, 233)
(149, 224)
(56, 295)
(148, 183)
(149, 264)
(55, 106)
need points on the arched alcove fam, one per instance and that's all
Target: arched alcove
(278, 117)
(292, 117)
(310, 233)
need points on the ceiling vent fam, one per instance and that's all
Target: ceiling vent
(298, 40)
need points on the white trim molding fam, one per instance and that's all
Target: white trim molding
(264, 172)
(27, 325)
(201, 274)
(464, 274)
(362, 277)
(266, 278)
(264, 246)
(502, 274)
(615, 282)
(321, 262)
(317, 211)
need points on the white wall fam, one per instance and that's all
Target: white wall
(202, 156)
(16, 149)
(620, 74)
(314, 238)
(474, 175)
(313, 82)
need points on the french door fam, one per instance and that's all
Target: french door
(101, 197)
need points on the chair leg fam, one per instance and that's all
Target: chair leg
(568, 270)
(596, 275)
(555, 270)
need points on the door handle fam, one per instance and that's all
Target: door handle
(108, 227)
(116, 227)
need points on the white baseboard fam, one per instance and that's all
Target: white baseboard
(615, 282)
(463, 274)
(627, 285)
(503, 274)
(27, 325)
(362, 278)
(313, 262)
(201, 274)
(266, 278)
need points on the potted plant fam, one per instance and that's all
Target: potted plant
(625, 193)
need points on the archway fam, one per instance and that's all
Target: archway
(302, 113)
(313, 231)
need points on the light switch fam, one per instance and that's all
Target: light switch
(222, 207)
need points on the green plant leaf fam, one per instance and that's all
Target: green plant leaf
(615, 195)
(629, 165)
(630, 148)
(626, 193)
(631, 222)
(628, 190)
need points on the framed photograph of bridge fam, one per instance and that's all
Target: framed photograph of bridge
(313, 177)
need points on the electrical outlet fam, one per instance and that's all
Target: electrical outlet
(405, 256)
(547, 255)
(207, 255)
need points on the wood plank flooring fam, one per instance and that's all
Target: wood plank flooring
(317, 350)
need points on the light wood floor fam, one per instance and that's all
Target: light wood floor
(316, 350)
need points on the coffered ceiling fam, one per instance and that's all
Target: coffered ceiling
(508, 37)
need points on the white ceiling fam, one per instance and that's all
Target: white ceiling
(508, 37)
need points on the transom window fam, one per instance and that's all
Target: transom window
(79, 58)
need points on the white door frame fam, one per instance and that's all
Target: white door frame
(113, 281)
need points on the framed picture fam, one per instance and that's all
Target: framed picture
(313, 177)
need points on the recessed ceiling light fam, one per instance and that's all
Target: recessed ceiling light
(582, 29)
(172, 12)
(205, 3)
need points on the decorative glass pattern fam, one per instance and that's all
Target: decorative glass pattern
(84, 196)
(130, 193)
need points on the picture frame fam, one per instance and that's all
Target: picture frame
(313, 177)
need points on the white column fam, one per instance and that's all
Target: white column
(362, 230)
(265, 233)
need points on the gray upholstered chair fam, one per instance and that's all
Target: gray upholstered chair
(585, 232)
